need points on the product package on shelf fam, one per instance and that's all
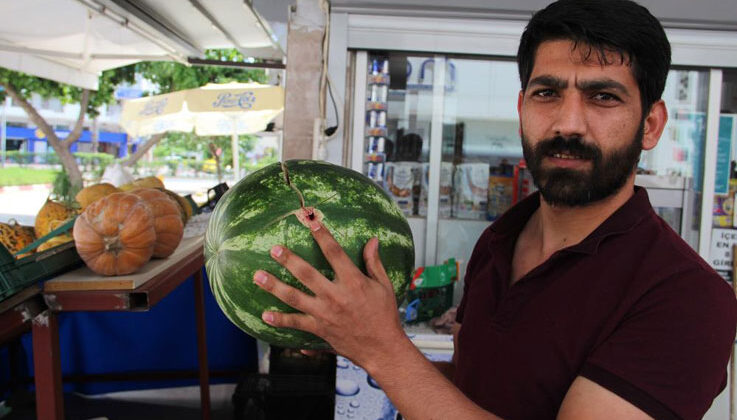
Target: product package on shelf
(471, 184)
(523, 182)
(376, 116)
(501, 191)
(446, 189)
(400, 181)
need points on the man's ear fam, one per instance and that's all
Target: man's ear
(520, 99)
(654, 125)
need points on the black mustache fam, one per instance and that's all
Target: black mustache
(569, 145)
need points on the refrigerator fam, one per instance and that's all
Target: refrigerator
(440, 134)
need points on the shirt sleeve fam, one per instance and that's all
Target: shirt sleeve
(668, 356)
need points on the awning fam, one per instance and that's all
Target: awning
(72, 41)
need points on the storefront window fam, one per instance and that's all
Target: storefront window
(725, 179)
(398, 126)
(481, 174)
(481, 170)
(673, 171)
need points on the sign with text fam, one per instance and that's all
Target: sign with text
(720, 255)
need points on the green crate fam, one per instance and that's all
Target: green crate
(17, 274)
(429, 302)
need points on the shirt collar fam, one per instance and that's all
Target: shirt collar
(629, 215)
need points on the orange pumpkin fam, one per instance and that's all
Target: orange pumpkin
(167, 220)
(115, 235)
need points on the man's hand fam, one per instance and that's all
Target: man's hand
(355, 313)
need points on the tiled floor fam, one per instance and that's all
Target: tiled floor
(170, 403)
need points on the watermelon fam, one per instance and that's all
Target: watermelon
(264, 209)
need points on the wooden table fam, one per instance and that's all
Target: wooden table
(83, 290)
(18, 311)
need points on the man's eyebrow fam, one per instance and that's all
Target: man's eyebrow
(548, 81)
(602, 84)
(586, 85)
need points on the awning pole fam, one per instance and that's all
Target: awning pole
(3, 131)
(234, 146)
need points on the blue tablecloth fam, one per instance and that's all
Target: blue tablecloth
(164, 338)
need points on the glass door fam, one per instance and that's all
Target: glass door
(673, 171)
(724, 222)
(393, 129)
(482, 173)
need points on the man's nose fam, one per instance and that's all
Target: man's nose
(571, 117)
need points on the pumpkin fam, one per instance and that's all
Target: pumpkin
(115, 235)
(167, 220)
(16, 237)
(51, 213)
(92, 193)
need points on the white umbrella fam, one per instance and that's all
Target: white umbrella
(211, 110)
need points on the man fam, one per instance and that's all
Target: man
(580, 302)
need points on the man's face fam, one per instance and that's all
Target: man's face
(581, 124)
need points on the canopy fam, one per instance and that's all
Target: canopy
(211, 110)
(71, 41)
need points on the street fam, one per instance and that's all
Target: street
(22, 203)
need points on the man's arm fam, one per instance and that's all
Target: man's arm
(588, 400)
(448, 368)
(357, 315)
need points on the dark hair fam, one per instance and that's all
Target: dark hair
(604, 26)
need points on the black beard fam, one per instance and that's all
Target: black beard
(575, 188)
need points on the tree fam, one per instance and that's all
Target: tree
(168, 76)
(21, 86)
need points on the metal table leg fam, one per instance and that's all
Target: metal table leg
(202, 345)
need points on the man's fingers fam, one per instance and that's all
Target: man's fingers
(301, 269)
(301, 322)
(333, 252)
(373, 263)
(286, 293)
(315, 353)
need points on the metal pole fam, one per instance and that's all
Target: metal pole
(3, 130)
(732, 368)
(234, 146)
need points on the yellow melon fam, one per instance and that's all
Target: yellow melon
(92, 193)
(51, 212)
(55, 241)
(147, 182)
(16, 237)
(184, 206)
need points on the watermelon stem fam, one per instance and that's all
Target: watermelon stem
(289, 183)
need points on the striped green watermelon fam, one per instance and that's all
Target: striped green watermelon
(261, 211)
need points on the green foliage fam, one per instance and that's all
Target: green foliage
(63, 190)
(85, 159)
(26, 85)
(26, 158)
(171, 76)
(26, 176)
(168, 76)
(183, 144)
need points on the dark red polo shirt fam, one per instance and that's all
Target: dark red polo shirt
(632, 307)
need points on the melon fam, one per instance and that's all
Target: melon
(92, 193)
(262, 210)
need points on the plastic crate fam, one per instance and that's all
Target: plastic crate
(17, 274)
(427, 303)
